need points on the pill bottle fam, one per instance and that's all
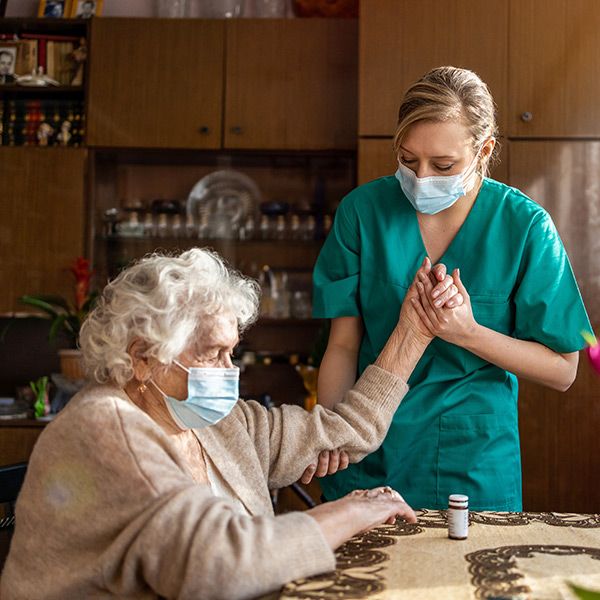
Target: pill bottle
(458, 517)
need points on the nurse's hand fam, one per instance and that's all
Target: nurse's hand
(409, 318)
(328, 462)
(452, 325)
(444, 292)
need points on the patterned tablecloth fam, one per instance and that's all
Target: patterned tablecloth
(507, 555)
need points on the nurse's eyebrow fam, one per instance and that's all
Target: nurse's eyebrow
(447, 156)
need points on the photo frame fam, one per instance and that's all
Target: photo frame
(54, 9)
(8, 60)
(85, 9)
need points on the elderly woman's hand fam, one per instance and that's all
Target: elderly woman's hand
(328, 462)
(409, 318)
(360, 511)
(452, 325)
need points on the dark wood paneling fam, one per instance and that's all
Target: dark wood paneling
(559, 444)
(42, 221)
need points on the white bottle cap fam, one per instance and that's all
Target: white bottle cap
(458, 498)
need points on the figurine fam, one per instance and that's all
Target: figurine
(43, 133)
(64, 135)
(37, 78)
(79, 56)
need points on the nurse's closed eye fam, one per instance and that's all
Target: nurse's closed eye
(444, 167)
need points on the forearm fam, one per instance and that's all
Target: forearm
(526, 359)
(402, 352)
(337, 375)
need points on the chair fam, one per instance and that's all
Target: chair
(11, 480)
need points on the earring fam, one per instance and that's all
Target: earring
(142, 387)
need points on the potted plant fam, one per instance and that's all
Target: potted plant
(66, 316)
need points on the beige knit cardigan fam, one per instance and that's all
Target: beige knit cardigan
(109, 508)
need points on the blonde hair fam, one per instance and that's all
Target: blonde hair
(450, 94)
(163, 300)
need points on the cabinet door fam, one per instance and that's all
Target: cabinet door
(554, 61)
(376, 158)
(401, 41)
(291, 84)
(563, 177)
(156, 83)
(41, 221)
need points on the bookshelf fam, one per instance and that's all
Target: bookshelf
(43, 115)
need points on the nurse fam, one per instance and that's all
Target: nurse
(457, 429)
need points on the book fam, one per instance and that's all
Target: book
(59, 62)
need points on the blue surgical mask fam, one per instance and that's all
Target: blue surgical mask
(212, 394)
(431, 195)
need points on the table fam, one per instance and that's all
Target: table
(506, 555)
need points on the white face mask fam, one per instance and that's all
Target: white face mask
(431, 195)
(212, 394)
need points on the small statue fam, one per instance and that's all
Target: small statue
(37, 78)
(43, 133)
(64, 135)
(79, 56)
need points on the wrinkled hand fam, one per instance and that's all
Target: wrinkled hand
(360, 511)
(448, 294)
(381, 501)
(328, 463)
(452, 324)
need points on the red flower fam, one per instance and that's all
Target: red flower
(83, 274)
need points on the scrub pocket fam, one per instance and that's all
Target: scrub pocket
(494, 312)
(479, 456)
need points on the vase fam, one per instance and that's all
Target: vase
(71, 364)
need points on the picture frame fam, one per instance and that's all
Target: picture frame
(85, 9)
(8, 60)
(54, 9)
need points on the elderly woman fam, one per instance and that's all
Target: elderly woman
(155, 480)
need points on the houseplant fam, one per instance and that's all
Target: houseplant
(67, 316)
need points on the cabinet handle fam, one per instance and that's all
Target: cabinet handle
(203, 129)
(237, 130)
(526, 117)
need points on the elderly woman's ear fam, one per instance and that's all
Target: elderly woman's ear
(139, 360)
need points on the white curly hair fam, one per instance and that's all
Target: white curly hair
(163, 300)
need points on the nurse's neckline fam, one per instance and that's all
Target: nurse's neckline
(457, 234)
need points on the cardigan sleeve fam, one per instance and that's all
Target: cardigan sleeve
(289, 438)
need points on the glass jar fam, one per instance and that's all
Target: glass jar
(172, 8)
(215, 9)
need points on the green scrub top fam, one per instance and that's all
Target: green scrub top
(456, 431)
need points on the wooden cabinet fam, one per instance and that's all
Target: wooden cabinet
(376, 158)
(559, 441)
(291, 84)
(554, 51)
(562, 176)
(42, 220)
(156, 83)
(17, 439)
(264, 84)
(401, 41)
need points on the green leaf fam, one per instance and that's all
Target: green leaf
(40, 303)
(56, 325)
(584, 594)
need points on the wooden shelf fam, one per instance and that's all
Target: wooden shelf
(23, 90)
(20, 25)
